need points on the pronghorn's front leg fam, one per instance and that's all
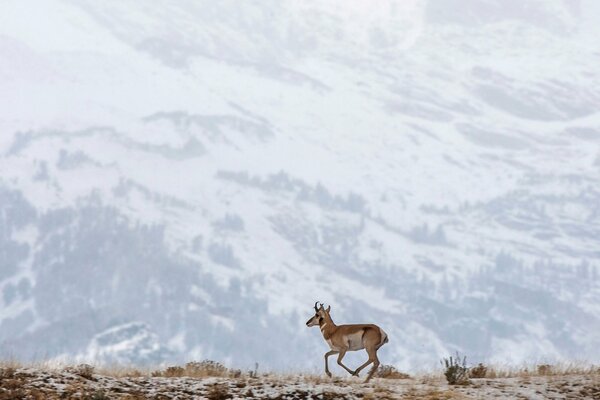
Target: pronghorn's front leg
(339, 361)
(329, 353)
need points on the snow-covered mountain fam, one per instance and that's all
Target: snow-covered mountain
(182, 180)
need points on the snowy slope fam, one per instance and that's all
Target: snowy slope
(183, 180)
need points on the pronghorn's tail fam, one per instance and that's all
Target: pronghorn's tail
(384, 338)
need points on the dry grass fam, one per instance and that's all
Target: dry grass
(533, 370)
(10, 364)
(45, 365)
(208, 368)
(121, 371)
(212, 381)
(523, 371)
(195, 369)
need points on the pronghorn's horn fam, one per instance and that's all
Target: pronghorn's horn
(316, 309)
(321, 305)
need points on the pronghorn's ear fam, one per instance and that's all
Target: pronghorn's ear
(328, 309)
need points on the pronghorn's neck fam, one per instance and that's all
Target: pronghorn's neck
(327, 326)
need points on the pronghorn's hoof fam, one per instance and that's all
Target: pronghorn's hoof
(355, 374)
(328, 374)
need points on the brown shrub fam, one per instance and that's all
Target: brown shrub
(390, 372)
(479, 371)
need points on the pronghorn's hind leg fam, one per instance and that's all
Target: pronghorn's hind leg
(371, 340)
(329, 353)
(372, 357)
(372, 351)
(339, 361)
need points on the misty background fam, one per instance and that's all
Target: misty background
(182, 180)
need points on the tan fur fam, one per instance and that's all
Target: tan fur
(345, 338)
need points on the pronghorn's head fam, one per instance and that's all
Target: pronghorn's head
(320, 314)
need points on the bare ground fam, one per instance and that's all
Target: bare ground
(39, 383)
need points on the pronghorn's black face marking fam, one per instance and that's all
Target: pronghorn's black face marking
(315, 320)
(319, 316)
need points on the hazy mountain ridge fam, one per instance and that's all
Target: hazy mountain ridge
(208, 190)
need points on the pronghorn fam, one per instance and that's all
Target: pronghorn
(345, 338)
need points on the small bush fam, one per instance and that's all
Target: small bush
(456, 372)
(480, 371)
(390, 372)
